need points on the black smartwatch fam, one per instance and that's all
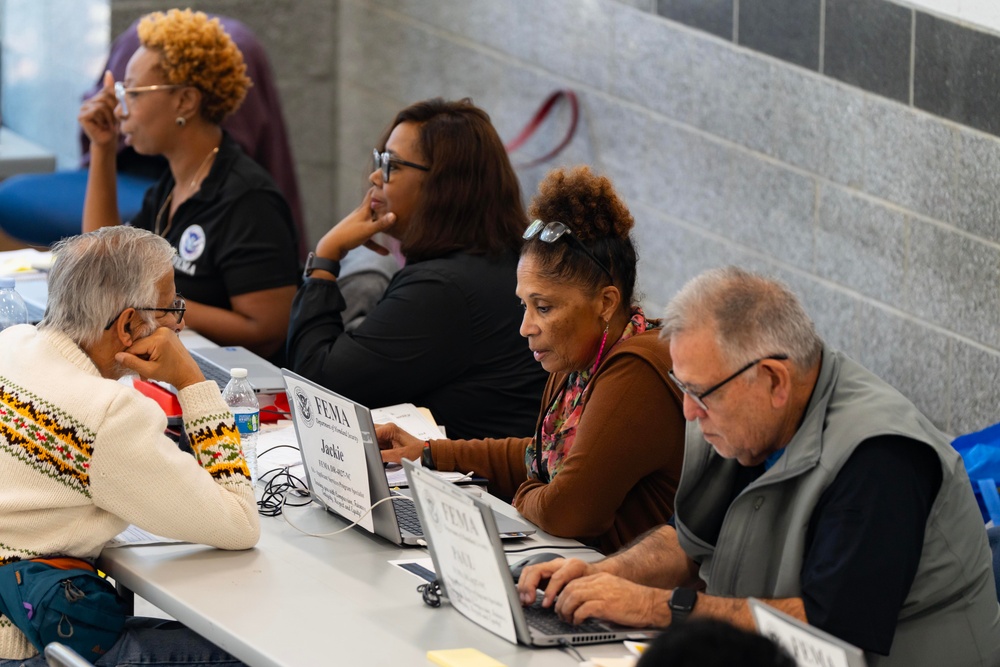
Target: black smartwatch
(313, 262)
(682, 602)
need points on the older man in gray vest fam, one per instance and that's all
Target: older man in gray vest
(808, 483)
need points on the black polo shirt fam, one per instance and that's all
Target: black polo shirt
(234, 236)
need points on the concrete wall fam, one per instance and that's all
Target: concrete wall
(880, 215)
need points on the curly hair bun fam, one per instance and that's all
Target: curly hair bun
(197, 51)
(584, 201)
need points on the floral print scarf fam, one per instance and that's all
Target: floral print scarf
(563, 415)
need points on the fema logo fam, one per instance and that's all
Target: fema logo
(302, 403)
(192, 243)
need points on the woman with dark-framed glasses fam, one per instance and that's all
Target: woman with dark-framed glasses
(237, 260)
(605, 458)
(444, 334)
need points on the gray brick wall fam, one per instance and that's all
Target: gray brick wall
(881, 216)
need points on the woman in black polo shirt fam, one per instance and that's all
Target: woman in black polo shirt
(236, 260)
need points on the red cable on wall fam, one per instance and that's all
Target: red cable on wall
(536, 121)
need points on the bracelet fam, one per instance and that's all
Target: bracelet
(426, 460)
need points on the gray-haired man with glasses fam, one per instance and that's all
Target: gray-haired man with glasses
(82, 455)
(808, 483)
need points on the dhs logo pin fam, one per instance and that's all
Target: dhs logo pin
(303, 406)
(192, 243)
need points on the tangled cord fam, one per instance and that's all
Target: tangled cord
(278, 484)
(431, 593)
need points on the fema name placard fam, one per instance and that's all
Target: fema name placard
(333, 453)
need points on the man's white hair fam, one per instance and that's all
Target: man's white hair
(97, 275)
(751, 315)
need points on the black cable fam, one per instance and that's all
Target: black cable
(571, 650)
(277, 488)
(431, 593)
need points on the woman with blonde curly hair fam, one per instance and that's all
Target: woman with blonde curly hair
(605, 459)
(236, 262)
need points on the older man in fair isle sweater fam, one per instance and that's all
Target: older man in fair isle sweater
(82, 456)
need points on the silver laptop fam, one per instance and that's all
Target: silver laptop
(473, 572)
(216, 362)
(395, 520)
(797, 638)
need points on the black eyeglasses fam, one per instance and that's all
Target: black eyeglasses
(384, 161)
(177, 308)
(550, 232)
(699, 398)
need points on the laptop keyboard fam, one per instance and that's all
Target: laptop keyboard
(545, 621)
(406, 516)
(212, 372)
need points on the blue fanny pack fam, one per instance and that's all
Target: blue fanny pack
(62, 600)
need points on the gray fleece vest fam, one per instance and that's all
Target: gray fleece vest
(950, 617)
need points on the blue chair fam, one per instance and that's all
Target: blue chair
(40, 209)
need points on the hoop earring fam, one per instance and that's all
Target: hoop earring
(181, 121)
(600, 352)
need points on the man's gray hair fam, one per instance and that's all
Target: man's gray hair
(97, 275)
(752, 316)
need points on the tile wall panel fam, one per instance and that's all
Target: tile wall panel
(786, 29)
(867, 44)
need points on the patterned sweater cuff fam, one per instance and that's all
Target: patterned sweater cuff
(212, 433)
(203, 398)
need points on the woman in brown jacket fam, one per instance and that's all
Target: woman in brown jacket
(604, 462)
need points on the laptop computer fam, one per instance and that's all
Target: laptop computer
(216, 362)
(800, 638)
(473, 572)
(344, 469)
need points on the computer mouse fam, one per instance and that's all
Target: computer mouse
(545, 556)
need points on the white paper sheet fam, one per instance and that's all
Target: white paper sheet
(133, 536)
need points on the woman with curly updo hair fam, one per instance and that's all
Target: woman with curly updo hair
(606, 456)
(236, 262)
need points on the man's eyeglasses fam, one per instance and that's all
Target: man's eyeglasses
(177, 308)
(384, 161)
(121, 90)
(550, 232)
(699, 397)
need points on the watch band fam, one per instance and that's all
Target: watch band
(682, 602)
(313, 262)
(426, 459)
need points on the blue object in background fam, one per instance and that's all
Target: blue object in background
(40, 209)
(981, 453)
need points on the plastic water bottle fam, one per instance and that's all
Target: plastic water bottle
(12, 308)
(242, 402)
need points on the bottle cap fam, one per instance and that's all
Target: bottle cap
(6, 282)
(238, 372)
